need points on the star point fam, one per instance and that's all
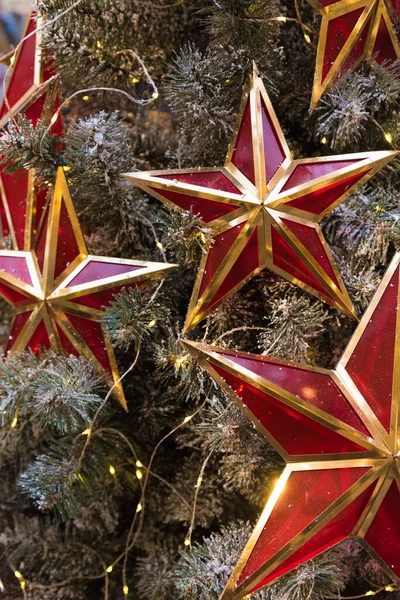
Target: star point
(353, 31)
(338, 432)
(33, 90)
(59, 290)
(263, 208)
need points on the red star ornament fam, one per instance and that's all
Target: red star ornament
(59, 291)
(263, 209)
(352, 31)
(33, 90)
(338, 430)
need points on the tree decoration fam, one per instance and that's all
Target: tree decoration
(263, 208)
(351, 32)
(32, 90)
(338, 432)
(58, 290)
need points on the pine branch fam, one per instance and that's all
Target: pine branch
(24, 146)
(131, 317)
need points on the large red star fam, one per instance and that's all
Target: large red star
(32, 90)
(338, 430)
(59, 291)
(264, 208)
(352, 31)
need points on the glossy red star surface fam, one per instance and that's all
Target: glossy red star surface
(264, 209)
(59, 291)
(338, 431)
(352, 31)
(32, 90)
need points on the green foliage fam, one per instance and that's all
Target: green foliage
(205, 568)
(186, 235)
(56, 391)
(349, 112)
(23, 146)
(62, 394)
(246, 461)
(200, 60)
(92, 44)
(37, 541)
(131, 317)
(59, 480)
(295, 321)
(178, 368)
(245, 24)
(204, 92)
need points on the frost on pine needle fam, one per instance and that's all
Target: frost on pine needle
(56, 391)
(65, 479)
(184, 234)
(245, 24)
(177, 368)
(24, 146)
(204, 90)
(131, 317)
(246, 461)
(205, 568)
(353, 110)
(366, 224)
(343, 114)
(94, 39)
(98, 150)
(294, 323)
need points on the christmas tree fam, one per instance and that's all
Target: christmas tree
(184, 183)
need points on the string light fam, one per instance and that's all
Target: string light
(67, 168)
(2, 588)
(159, 245)
(99, 45)
(139, 464)
(125, 589)
(18, 574)
(85, 98)
(307, 38)
(188, 418)
(199, 481)
(14, 422)
(389, 588)
(281, 19)
(139, 507)
(54, 118)
(109, 569)
(112, 470)
(87, 431)
(22, 585)
(388, 137)
(135, 80)
(155, 95)
(180, 360)
(139, 474)
(152, 323)
(370, 593)
(187, 542)
(324, 140)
